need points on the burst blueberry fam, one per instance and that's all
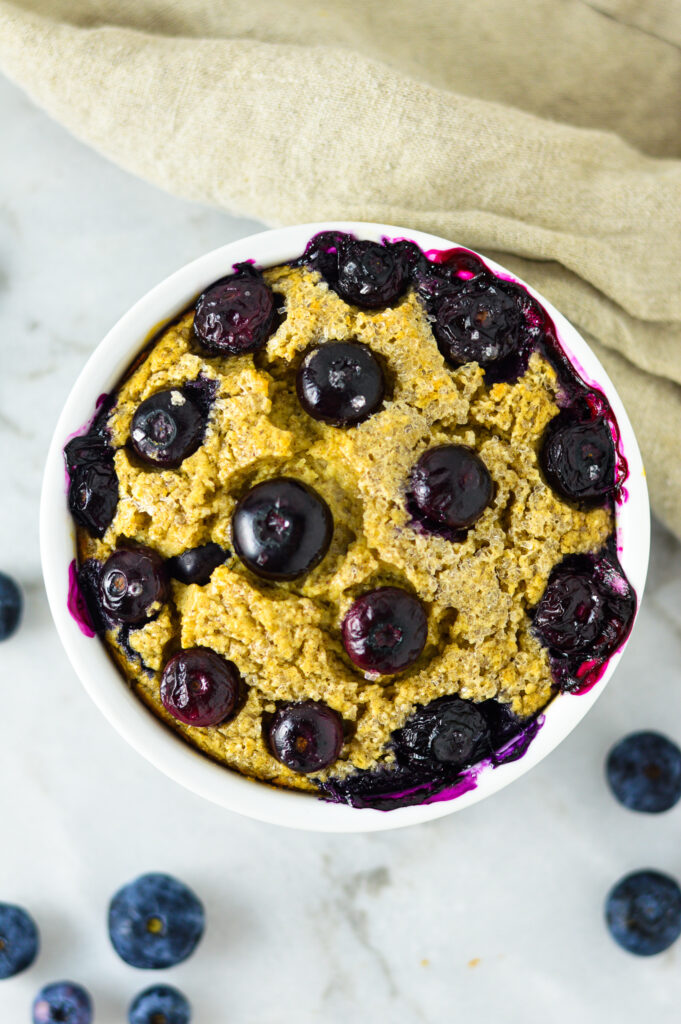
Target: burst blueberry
(200, 688)
(133, 585)
(340, 382)
(306, 736)
(385, 630)
(643, 912)
(481, 322)
(19, 940)
(63, 1002)
(371, 275)
(155, 922)
(93, 483)
(167, 428)
(236, 314)
(196, 565)
(579, 459)
(160, 1004)
(11, 606)
(450, 487)
(448, 732)
(644, 772)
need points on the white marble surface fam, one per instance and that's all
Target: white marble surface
(494, 914)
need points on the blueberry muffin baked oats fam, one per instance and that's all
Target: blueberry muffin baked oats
(347, 524)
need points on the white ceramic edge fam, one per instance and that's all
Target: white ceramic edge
(100, 678)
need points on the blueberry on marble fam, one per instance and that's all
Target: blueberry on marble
(450, 487)
(167, 428)
(236, 314)
(385, 630)
(371, 275)
(643, 912)
(200, 688)
(62, 1002)
(133, 585)
(19, 940)
(644, 772)
(340, 382)
(448, 731)
(281, 529)
(306, 736)
(196, 565)
(11, 606)
(155, 922)
(160, 1004)
(579, 459)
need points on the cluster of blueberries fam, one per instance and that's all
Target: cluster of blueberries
(155, 922)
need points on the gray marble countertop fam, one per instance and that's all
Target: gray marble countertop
(493, 914)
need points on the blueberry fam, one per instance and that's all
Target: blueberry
(385, 630)
(371, 275)
(644, 772)
(155, 922)
(133, 585)
(579, 459)
(448, 731)
(19, 940)
(450, 487)
(306, 737)
(11, 606)
(643, 912)
(340, 382)
(236, 314)
(321, 253)
(196, 564)
(167, 428)
(160, 1004)
(281, 529)
(200, 688)
(63, 1002)
(93, 484)
(481, 322)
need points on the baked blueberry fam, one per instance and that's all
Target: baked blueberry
(340, 382)
(19, 940)
(579, 459)
(200, 688)
(644, 772)
(281, 529)
(643, 912)
(236, 314)
(450, 486)
(155, 922)
(481, 322)
(306, 736)
(11, 606)
(133, 585)
(62, 1002)
(167, 428)
(160, 1004)
(93, 484)
(371, 275)
(321, 253)
(385, 630)
(447, 732)
(196, 564)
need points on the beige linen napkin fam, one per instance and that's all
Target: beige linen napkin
(546, 134)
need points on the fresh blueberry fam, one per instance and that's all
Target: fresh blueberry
(236, 314)
(481, 322)
(155, 922)
(281, 529)
(371, 275)
(19, 940)
(385, 630)
(644, 772)
(167, 428)
(306, 737)
(11, 606)
(93, 484)
(449, 731)
(200, 688)
(196, 564)
(450, 487)
(579, 459)
(63, 1002)
(160, 1004)
(643, 912)
(133, 585)
(340, 382)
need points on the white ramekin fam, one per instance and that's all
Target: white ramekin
(87, 655)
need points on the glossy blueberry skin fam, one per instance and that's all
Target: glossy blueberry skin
(340, 382)
(167, 428)
(321, 253)
(643, 912)
(200, 688)
(155, 922)
(385, 630)
(196, 565)
(281, 529)
(160, 1004)
(11, 606)
(132, 584)
(371, 275)
(448, 731)
(19, 940)
(63, 1002)
(306, 737)
(93, 483)
(481, 321)
(236, 314)
(579, 459)
(644, 772)
(450, 486)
